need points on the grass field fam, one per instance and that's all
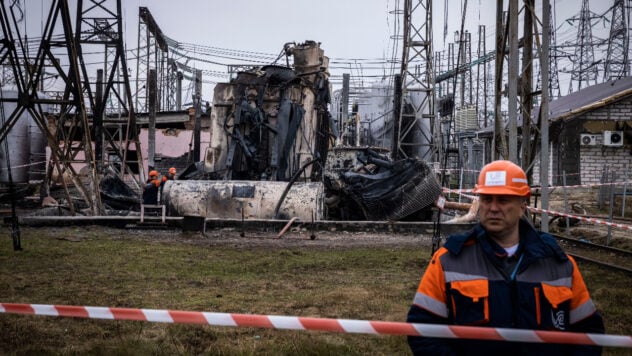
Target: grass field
(119, 268)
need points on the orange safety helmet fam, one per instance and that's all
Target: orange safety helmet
(153, 174)
(503, 178)
(172, 170)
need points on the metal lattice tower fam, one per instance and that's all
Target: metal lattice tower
(468, 95)
(153, 53)
(585, 69)
(99, 29)
(618, 43)
(418, 132)
(92, 104)
(554, 80)
(63, 118)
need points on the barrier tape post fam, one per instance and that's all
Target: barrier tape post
(320, 324)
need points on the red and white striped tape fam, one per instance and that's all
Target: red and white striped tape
(582, 218)
(551, 187)
(591, 185)
(552, 212)
(320, 324)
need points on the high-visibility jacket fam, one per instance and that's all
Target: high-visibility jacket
(164, 180)
(471, 281)
(150, 191)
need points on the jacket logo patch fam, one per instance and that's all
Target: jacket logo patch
(558, 319)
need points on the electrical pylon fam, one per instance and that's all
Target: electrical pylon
(418, 132)
(99, 29)
(68, 132)
(554, 80)
(87, 107)
(585, 69)
(153, 52)
(618, 43)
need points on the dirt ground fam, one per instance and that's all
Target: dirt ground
(294, 237)
(585, 202)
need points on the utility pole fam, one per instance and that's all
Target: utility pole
(544, 115)
(344, 103)
(397, 97)
(198, 115)
(512, 85)
(526, 83)
(151, 131)
(499, 142)
(97, 122)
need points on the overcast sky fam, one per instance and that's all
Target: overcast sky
(353, 33)
(346, 28)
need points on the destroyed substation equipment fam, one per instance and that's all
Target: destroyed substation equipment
(272, 154)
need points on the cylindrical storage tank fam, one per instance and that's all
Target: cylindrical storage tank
(256, 199)
(17, 141)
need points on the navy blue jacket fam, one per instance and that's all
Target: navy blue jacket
(471, 281)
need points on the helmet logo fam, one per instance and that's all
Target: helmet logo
(495, 178)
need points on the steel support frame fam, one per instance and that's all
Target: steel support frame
(72, 118)
(417, 74)
(99, 23)
(153, 52)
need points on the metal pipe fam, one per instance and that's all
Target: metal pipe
(291, 182)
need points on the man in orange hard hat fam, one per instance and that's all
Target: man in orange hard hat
(503, 274)
(171, 175)
(150, 189)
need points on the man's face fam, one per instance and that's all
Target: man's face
(499, 214)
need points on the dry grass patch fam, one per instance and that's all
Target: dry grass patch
(117, 268)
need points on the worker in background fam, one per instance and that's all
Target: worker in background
(171, 175)
(150, 189)
(503, 274)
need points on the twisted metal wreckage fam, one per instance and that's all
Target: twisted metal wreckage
(272, 154)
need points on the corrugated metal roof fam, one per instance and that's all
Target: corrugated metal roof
(589, 98)
(577, 103)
